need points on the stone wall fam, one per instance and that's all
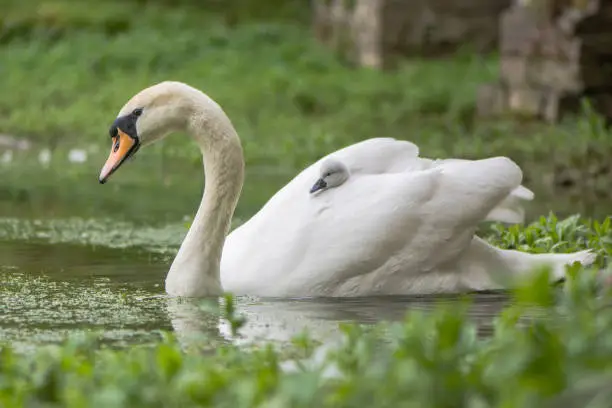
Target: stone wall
(553, 52)
(375, 32)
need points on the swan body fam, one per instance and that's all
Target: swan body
(510, 210)
(397, 224)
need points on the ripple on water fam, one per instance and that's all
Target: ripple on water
(71, 277)
(38, 310)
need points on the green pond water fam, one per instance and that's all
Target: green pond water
(51, 291)
(77, 257)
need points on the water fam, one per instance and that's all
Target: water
(50, 292)
(77, 257)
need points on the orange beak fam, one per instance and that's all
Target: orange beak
(120, 150)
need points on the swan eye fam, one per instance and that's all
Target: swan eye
(137, 112)
(116, 147)
(327, 174)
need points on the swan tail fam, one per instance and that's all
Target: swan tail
(507, 214)
(522, 263)
(511, 210)
(523, 193)
(486, 267)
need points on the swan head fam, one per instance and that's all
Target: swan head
(148, 116)
(332, 173)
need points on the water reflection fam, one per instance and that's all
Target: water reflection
(52, 291)
(278, 320)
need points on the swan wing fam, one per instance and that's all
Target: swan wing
(371, 156)
(510, 210)
(388, 155)
(377, 155)
(409, 221)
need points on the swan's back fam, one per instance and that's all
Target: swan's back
(371, 156)
(411, 219)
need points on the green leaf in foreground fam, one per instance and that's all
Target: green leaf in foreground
(536, 353)
(551, 346)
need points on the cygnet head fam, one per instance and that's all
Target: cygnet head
(333, 173)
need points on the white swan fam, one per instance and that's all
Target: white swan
(334, 173)
(398, 225)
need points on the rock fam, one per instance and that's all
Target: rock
(375, 33)
(553, 53)
(14, 143)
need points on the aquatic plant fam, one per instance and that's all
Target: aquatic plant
(550, 234)
(551, 346)
(426, 360)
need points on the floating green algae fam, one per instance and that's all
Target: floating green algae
(97, 232)
(104, 232)
(37, 310)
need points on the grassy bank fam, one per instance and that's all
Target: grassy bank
(290, 99)
(67, 67)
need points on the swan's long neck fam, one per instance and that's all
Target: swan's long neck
(195, 271)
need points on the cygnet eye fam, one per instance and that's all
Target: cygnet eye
(137, 112)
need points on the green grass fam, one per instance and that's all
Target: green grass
(66, 74)
(67, 67)
(290, 99)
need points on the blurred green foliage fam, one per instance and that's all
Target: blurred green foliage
(68, 66)
(72, 65)
(549, 348)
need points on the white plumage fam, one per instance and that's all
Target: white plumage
(400, 224)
